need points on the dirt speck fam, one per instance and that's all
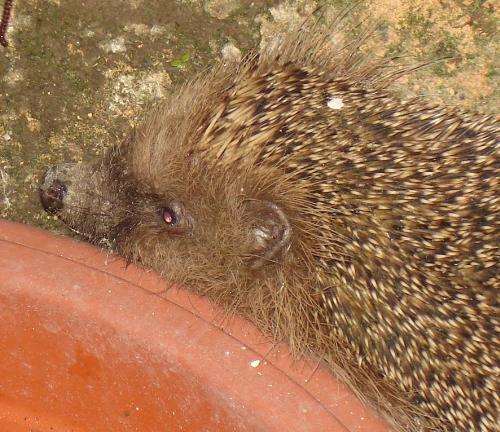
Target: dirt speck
(230, 52)
(116, 45)
(221, 9)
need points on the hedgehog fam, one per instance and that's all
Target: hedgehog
(295, 188)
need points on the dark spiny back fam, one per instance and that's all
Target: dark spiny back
(401, 200)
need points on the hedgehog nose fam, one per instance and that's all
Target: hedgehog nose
(52, 190)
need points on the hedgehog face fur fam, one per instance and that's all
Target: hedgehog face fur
(295, 190)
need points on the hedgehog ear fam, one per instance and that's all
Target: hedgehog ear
(269, 233)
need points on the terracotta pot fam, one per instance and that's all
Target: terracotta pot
(88, 344)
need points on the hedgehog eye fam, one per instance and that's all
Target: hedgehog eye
(176, 219)
(168, 215)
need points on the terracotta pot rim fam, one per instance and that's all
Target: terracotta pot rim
(255, 359)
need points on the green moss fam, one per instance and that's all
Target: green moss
(483, 18)
(493, 72)
(418, 25)
(446, 48)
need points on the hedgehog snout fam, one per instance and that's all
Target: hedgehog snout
(54, 187)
